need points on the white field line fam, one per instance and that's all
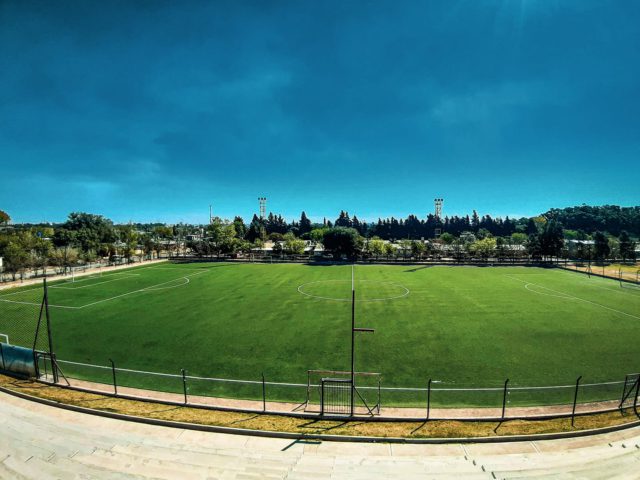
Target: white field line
(38, 304)
(149, 288)
(83, 279)
(63, 281)
(546, 294)
(590, 282)
(93, 276)
(570, 297)
(353, 274)
(21, 291)
(406, 291)
(92, 285)
(176, 269)
(186, 280)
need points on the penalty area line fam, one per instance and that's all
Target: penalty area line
(91, 285)
(150, 288)
(38, 304)
(571, 297)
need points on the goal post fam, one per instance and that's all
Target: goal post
(81, 271)
(331, 392)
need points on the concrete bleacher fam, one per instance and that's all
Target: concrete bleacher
(42, 442)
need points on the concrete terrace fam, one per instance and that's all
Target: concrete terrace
(40, 442)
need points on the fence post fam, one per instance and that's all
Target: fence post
(575, 400)
(264, 395)
(184, 385)
(428, 398)
(635, 399)
(113, 371)
(504, 397)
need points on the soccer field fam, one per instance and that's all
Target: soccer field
(460, 326)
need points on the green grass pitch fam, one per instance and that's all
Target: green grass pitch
(460, 326)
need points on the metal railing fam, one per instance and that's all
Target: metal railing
(433, 400)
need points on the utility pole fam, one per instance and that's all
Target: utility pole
(353, 339)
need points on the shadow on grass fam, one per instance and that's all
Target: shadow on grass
(253, 417)
(418, 268)
(318, 424)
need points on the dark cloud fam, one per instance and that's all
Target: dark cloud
(302, 96)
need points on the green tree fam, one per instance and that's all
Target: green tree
(483, 233)
(376, 247)
(4, 218)
(257, 230)
(389, 250)
(342, 241)
(16, 259)
(305, 224)
(405, 247)
(241, 228)
(127, 235)
(533, 246)
(458, 249)
(551, 239)
(227, 241)
(278, 248)
(483, 248)
(257, 243)
(447, 238)
(627, 246)
(63, 258)
(292, 245)
(518, 238)
(417, 249)
(501, 247)
(467, 237)
(91, 230)
(41, 250)
(601, 247)
(317, 234)
(276, 237)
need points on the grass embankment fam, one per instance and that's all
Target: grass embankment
(416, 430)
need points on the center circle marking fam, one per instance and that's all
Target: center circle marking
(301, 289)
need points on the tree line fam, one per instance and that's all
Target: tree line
(583, 232)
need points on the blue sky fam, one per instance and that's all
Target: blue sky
(152, 110)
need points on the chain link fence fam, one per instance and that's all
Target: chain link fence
(433, 400)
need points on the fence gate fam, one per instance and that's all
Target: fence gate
(630, 391)
(335, 396)
(45, 366)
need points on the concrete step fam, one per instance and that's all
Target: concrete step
(38, 469)
(9, 469)
(592, 468)
(209, 459)
(115, 463)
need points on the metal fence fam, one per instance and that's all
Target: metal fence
(433, 400)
